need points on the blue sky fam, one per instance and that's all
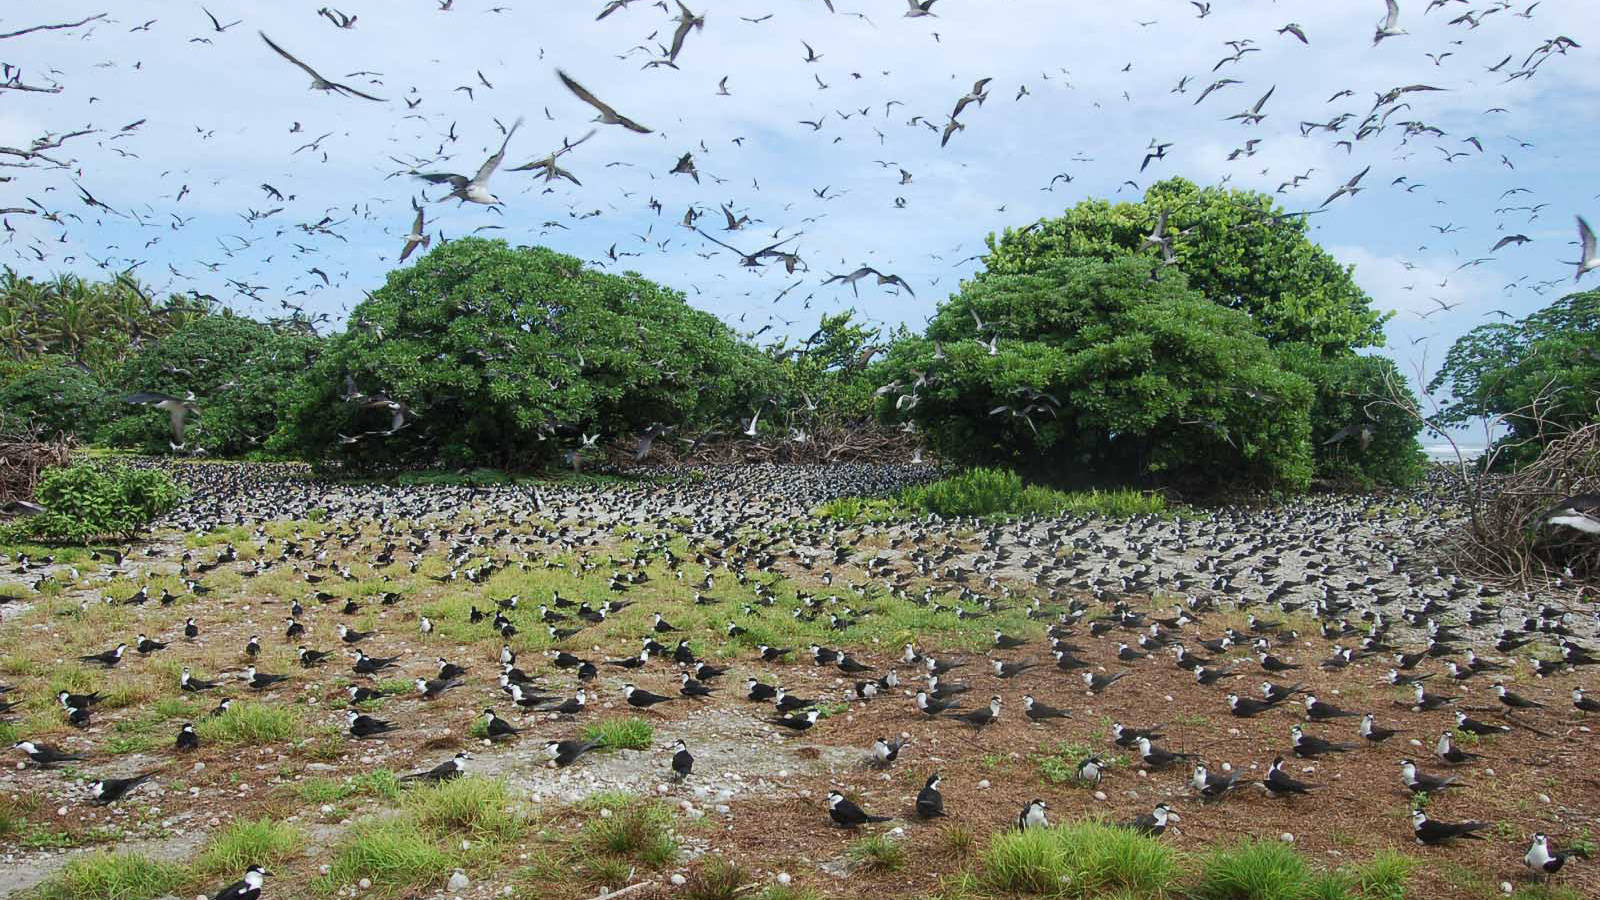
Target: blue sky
(225, 117)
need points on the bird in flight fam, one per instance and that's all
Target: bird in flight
(476, 188)
(607, 115)
(318, 83)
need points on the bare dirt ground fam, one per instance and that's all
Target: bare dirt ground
(744, 548)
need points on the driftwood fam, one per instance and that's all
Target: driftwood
(24, 453)
(642, 889)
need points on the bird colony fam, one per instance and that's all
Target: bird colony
(836, 708)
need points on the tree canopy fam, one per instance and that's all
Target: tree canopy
(1100, 368)
(1237, 248)
(496, 350)
(1540, 374)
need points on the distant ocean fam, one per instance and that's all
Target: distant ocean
(1447, 453)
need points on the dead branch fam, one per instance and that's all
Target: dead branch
(641, 889)
(76, 24)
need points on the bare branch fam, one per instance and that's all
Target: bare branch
(15, 85)
(53, 27)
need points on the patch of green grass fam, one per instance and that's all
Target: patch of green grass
(1079, 860)
(958, 839)
(714, 879)
(787, 892)
(394, 853)
(1546, 892)
(250, 723)
(232, 849)
(1253, 870)
(481, 807)
(988, 492)
(877, 853)
(632, 733)
(380, 783)
(1385, 876)
(14, 810)
(112, 876)
(635, 828)
(132, 743)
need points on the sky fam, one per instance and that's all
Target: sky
(191, 124)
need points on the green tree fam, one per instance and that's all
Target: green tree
(1361, 430)
(504, 356)
(239, 370)
(1103, 370)
(1539, 375)
(55, 394)
(1238, 248)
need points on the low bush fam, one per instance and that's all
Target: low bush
(243, 844)
(621, 734)
(112, 876)
(1254, 870)
(85, 501)
(393, 853)
(636, 828)
(250, 723)
(1079, 860)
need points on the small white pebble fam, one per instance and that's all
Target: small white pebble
(1286, 837)
(1505, 887)
(1544, 798)
(1489, 772)
(783, 878)
(983, 785)
(1143, 774)
(1100, 795)
(679, 880)
(364, 883)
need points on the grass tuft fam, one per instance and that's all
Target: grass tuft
(1253, 870)
(394, 853)
(250, 723)
(477, 806)
(877, 853)
(1080, 860)
(242, 844)
(714, 879)
(112, 876)
(632, 733)
(627, 826)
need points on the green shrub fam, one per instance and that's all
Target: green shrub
(232, 849)
(1254, 870)
(250, 723)
(714, 879)
(55, 395)
(878, 853)
(477, 806)
(987, 491)
(637, 828)
(112, 876)
(85, 501)
(1079, 860)
(632, 733)
(394, 853)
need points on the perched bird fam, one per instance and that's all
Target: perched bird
(110, 790)
(682, 760)
(847, 814)
(1212, 786)
(496, 728)
(930, 803)
(565, 753)
(1418, 782)
(187, 739)
(45, 755)
(448, 770)
(1430, 831)
(1547, 862)
(885, 751)
(642, 699)
(362, 725)
(1040, 712)
(1154, 822)
(246, 888)
(1033, 815)
(1279, 784)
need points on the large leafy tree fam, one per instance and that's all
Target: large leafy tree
(239, 370)
(58, 396)
(1540, 375)
(504, 356)
(89, 323)
(1094, 369)
(1237, 248)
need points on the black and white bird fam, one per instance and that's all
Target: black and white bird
(1212, 786)
(885, 751)
(363, 725)
(1547, 862)
(1040, 712)
(258, 681)
(682, 760)
(110, 790)
(1033, 815)
(108, 658)
(1581, 511)
(565, 753)
(1373, 732)
(1418, 782)
(496, 728)
(45, 755)
(796, 724)
(1582, 703)
(642, 699)
(1154, 822)
(983, 716)
(1097, 683)
(246, 888)
(1280, 784)
(1319, 711)
(1447, 751)
(847, 814)
(191, 684)
(1470, 725)
(1431, 831)
(930, 802)
(1515, 701)
(187, 739)
(448, 770)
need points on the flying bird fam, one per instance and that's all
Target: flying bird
(318, 83)
(607, 115)
(476, 188)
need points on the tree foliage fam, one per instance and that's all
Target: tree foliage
(85, 501)
(1237, 248)
(505, 356)
(94, 324)
(239, 370)
(1361, 430)
(1102, 369)
(1540, 375)
(59, 397)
